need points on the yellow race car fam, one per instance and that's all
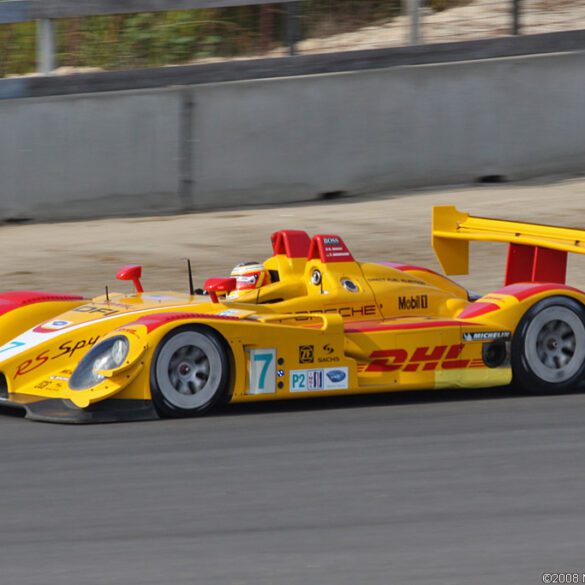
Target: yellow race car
(309, 321)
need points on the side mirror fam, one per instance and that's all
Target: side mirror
(131, 272)
(219, 285)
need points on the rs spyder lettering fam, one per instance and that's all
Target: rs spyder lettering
(66, 348)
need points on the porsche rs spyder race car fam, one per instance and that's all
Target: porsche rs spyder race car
(309, 321)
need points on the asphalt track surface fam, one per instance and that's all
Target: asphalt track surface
(446, 487)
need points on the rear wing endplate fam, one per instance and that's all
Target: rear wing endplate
(536, 253)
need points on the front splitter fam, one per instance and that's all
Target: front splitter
(57, 410)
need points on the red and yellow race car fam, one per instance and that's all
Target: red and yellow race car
(308, 321)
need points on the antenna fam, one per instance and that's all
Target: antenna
(107, 295)
(191, 287)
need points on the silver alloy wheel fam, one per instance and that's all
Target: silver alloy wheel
(188, 370)
(555, 344)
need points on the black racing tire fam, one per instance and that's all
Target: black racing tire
(190, 372)
(548, 347)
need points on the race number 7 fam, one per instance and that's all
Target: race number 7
(262, 371)
(11, 345)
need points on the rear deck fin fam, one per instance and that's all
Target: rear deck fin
(537, 253)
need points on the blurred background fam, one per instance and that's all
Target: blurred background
(125, 41)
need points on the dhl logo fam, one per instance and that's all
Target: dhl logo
(440, 357)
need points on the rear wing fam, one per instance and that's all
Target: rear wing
(536, 253)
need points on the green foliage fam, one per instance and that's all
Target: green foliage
(146, 40)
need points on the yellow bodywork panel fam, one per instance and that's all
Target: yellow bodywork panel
(324, 325)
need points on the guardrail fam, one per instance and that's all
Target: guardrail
(45, 12)
(410, 22)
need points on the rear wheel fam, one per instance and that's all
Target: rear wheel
(548, 349)
(190, 372)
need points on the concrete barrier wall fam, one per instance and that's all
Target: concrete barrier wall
(280, 140)
(89, 155)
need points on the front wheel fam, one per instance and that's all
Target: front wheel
(548, 349)
(189, 372)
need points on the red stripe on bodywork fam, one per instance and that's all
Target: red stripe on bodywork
(477, 309)
(524, 290)
(407, 267)
(520, 291)
(367, 326)
(152, 322)
(16, 299)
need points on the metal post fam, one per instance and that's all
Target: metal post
(292, 27)
(414, 18)
(46, 46)
(516, 17)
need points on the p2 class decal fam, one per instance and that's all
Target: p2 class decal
(320, 379)
(262, 371)
(487, 336)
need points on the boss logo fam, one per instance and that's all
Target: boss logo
(413, 303)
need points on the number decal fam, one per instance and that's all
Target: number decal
(11, 345)
(262, 371)
(267, 359)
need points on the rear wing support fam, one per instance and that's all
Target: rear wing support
(536, 253)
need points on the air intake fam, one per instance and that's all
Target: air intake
(3, 387)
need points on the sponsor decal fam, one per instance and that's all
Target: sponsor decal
(336, 376)
(95, 309)
(280, 373)
(53, 326)
(422, 359)
(306, 354)
(67, 348)
(329, 358)
(232, 312)
(392, 279)
(319, 379)
(156, 297)
(413, 303)
(487, 336)
(130, 330)
(358, 311)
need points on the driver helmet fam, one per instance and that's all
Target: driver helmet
(250, 276)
